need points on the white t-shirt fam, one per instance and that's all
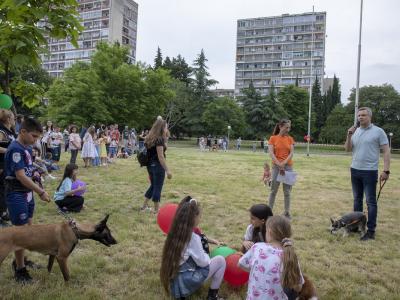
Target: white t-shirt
(248, 236)
(195, 250)
(55, 139)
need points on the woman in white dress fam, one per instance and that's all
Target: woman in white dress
(89, 148)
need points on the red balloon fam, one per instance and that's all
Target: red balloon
(166, 215)
(233, 274)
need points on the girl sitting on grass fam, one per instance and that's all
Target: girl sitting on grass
(274, 268)
(65, 196)
(255, 232)
(185, 265)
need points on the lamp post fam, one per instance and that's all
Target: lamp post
(358, 68)
(390, 141)
(229, 129)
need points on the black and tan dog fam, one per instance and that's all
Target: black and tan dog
(351, 222)
(56, 240)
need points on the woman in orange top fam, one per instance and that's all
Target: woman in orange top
(281, 148)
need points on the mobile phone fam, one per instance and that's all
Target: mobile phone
(357, 124)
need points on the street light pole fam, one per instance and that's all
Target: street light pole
(390, 141)
(229, 129)
(358, 69)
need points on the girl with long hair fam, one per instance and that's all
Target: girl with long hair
(274, 267)
(156, 144)
(281, 150)
(89, 148)
(255, 232)
(185, 266)
(65, 197)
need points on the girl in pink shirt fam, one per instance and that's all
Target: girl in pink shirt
(273, 266)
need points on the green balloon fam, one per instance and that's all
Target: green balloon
(5, 101)
(224, 251)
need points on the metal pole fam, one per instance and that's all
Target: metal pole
(309, 100)
(358, 68)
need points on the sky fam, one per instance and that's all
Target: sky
(187, 26)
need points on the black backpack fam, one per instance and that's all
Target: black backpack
(143, 157)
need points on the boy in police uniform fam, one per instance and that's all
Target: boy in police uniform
(20, 187)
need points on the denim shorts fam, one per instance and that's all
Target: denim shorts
(19, 208)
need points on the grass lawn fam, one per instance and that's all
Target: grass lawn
(226, 184)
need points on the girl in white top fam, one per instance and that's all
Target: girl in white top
(89, 148)
(255, 232)
(185, 266)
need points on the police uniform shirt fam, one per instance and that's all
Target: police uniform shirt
(18, 157)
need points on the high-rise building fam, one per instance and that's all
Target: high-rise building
(105, 20)
(277, 50)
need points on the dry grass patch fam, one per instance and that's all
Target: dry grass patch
(226, 184)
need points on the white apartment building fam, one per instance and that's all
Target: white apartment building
(280, 49)
(103, 20)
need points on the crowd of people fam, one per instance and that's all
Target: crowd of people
(267, 248)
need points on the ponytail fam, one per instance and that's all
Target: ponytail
(280, 230)
(291, 275)
(278, 125)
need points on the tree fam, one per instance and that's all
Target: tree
(222, 112)
(177, 107)
(201, 83)
(24, 26)
(158, 61)
(254, 108)
(273, 110)
(333, 96)
(167, 63)
(295, 103)
(30, 84)
(78, 97)
(337, 123)
(336, 94)
(318, 108)
(180, 70)
(110, 89)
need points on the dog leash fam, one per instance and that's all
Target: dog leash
(70, 220)
(381, 185)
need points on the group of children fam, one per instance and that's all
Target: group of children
(101, 146)
(267, 253)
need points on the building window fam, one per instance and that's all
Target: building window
(87, 44)
(105, 13)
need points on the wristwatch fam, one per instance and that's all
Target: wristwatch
(387, 172)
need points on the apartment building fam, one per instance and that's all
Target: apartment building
(278, 50)
(103, 20)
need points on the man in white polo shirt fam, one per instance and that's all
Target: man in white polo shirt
(365, 142)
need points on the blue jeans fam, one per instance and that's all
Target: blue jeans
(364, 181)
(157, 176)
(56, 152)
